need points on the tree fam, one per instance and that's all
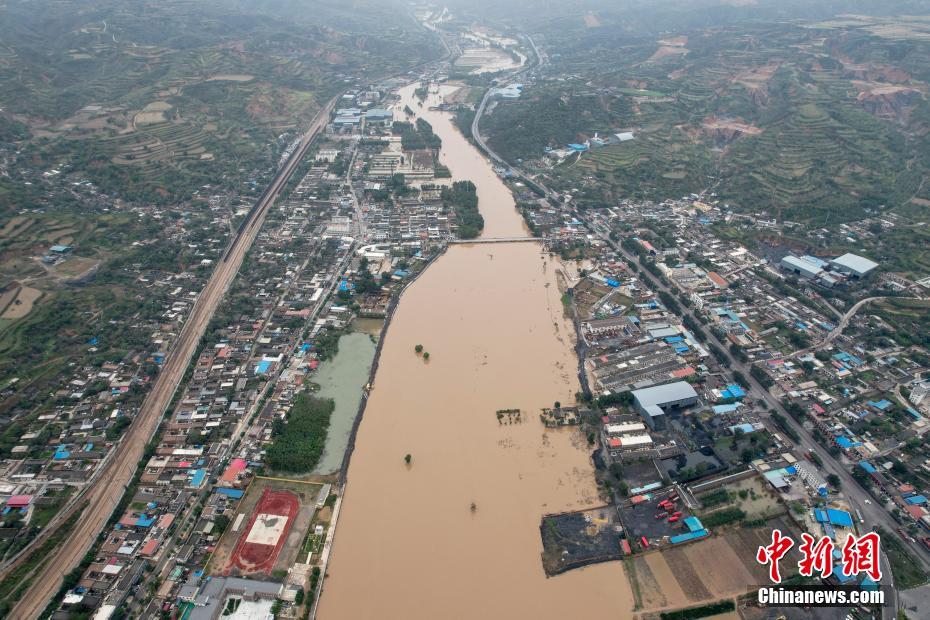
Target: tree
(407, 459)
(220, 522)
(426, 355)
(418, 348)
(834, 481)
(616, 470)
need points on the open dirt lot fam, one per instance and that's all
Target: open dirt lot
(76, 266)
(22, 305)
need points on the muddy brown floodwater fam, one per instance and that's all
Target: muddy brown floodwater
(409, 543)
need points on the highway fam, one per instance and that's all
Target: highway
(476, 135)
(874, 514)
(843, 324)
(98, 500)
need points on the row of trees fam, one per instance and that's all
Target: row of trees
(414, 138)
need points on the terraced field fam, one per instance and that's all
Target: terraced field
(160, 98)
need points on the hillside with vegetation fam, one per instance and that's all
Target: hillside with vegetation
(155, 99)
(816, 122)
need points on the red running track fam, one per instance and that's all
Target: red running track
(250, 557)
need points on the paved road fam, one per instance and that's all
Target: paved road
(100, 499)
(836, 331)
(476, 134)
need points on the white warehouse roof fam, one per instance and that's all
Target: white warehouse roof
(620, 429)
(663, 394)
(631, 441)
(803, 265)
(854, 263)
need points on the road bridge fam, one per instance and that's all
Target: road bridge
(497, 240)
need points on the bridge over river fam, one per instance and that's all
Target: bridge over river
(497, 240)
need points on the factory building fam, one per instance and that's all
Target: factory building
(654, 402)
(853, 266)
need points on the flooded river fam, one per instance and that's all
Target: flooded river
(455, 534)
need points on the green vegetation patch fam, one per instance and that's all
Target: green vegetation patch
(704, 611)
(908, 572)
(723, 517)
(298, 443)
(462, 197)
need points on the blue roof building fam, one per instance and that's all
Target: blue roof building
(682, 538)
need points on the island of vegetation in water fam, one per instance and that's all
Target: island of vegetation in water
(463, 198)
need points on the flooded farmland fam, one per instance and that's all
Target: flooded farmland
(455, 533)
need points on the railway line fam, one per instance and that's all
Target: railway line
(98, 500)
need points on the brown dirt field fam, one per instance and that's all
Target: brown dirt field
(747, 540)
(231, 77)
(149, 118)
(591, 20)
(687, 575)
(651, 594)
(757, 76)
(12, 225)
(922, 202)
(720, 567)
(7, 297)
(718, 123)
(667, 50)
(56, 235)
(674, 592)
(24, 227)
(23, 303)
(74, 267)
